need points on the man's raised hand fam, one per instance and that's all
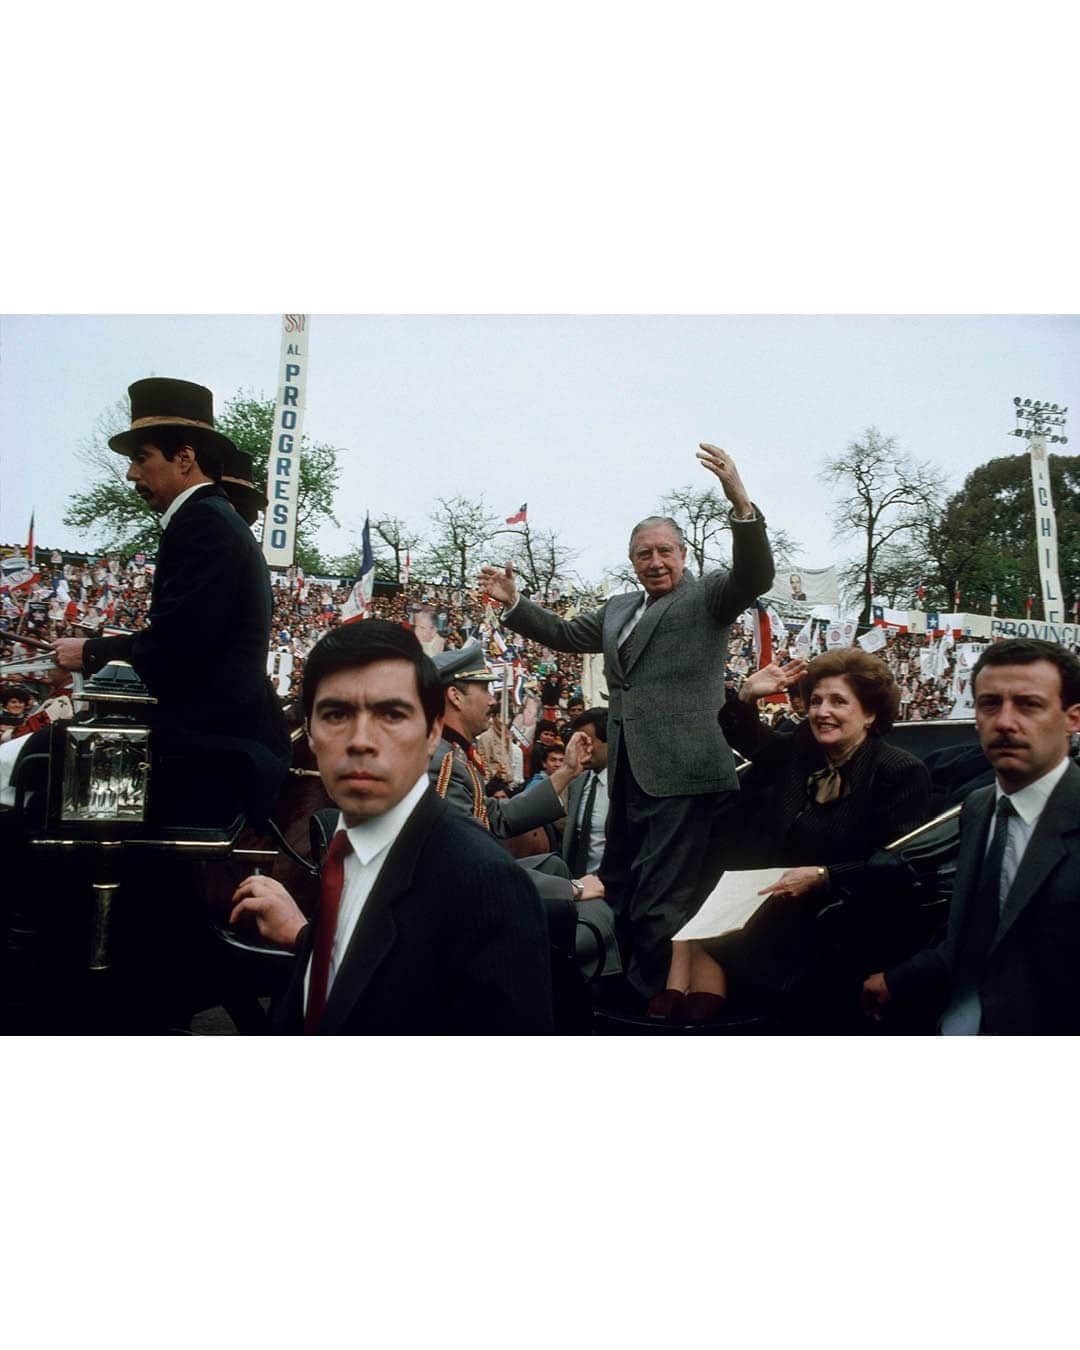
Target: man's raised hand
(720, 463)
(498, 583)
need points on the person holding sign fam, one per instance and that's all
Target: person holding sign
(817, 801)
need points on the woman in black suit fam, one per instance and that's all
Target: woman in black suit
(818, 801)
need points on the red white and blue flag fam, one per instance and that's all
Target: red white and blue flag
(358, 604)
(520, 515)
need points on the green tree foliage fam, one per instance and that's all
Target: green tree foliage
(249, 424)
(115, 519)
(985, 538)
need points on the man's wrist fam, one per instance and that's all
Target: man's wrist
(743, 512)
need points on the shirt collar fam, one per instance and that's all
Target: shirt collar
(1029, 801)
(370, 837)
(177, 502)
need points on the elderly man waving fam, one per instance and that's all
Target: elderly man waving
(670, 769)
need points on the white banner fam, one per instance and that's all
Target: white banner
(967, 653)
(283, 464)
(1067, 634)
(873, 641)
(1046, 535)
(811, 586)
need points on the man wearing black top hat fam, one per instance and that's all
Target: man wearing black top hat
(237, 479)
(204, 654)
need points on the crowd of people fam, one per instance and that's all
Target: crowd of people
(396, 708)
(80, 596)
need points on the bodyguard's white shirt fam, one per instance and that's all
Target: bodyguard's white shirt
(370, 841)
(1028, 804)
(177, 503)
(598, 825)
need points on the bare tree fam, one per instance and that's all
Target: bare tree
(882, 495)
(704, 516)
(462, 529)
(397, 536)
(540, 559)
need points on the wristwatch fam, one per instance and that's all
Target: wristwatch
(578, 889)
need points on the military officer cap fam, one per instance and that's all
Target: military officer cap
(463, 665)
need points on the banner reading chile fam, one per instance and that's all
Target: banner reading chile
(283, 463)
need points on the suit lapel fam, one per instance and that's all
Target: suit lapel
(1045, 850)
(376, 929)
(616, 614)
(652, 616)
(969, 856)
(573, 803)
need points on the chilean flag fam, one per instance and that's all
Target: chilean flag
(358, 603)
(519, 518)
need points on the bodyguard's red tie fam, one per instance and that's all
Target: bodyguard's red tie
(332, 884)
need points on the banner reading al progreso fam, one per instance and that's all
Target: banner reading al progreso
(283, 463)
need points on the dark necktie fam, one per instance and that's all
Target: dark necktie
(963, 1014)
(330, 887)
(579, 865)
(626, 647)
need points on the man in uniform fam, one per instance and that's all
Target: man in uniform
(458, 776)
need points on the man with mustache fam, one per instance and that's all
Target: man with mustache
(203, 656)
(1009, 959)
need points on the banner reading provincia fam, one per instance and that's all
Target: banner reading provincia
(810, 586)
(283, 463)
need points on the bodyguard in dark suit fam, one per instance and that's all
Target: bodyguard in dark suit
(669, 766)
(1009, 960)
(203, 655)
(424, 924)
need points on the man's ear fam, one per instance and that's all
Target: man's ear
(186, 455)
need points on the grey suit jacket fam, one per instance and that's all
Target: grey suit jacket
(664, 703)
(573, 806)
(1030, 982)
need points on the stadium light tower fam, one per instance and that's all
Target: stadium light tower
(1040, 423)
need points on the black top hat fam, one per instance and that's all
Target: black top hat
(236, 479)
(169, 403)
(463, 665)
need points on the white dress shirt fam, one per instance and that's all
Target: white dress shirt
(1028, 805)
(370, 841)
(177, 502)
(598, 827)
